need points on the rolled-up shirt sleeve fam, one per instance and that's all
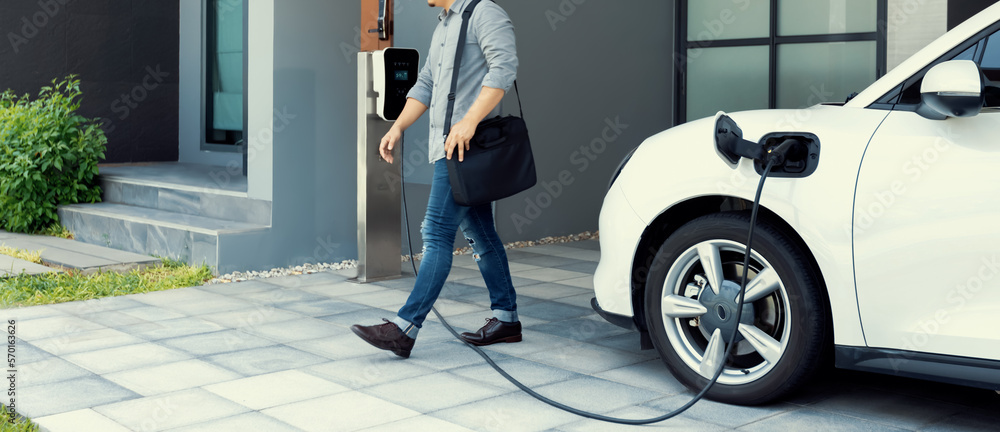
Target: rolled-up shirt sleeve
(496, 38)
(422, 90)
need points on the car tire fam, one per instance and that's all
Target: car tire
(783, 329)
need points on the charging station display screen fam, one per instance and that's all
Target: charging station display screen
(402, 75)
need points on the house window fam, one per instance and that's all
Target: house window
(751, 54)
(224, 62)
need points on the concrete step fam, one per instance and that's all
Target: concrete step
(79, 256)
(175, 197)
(188, 238)
(10, 267)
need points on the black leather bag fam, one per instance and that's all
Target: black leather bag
(499, 162)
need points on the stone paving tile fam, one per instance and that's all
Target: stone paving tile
(508, 412)
(898, 410)
(155, 380)
(79, 420)
(264, 360)
(152, 313)
(514, 278)
(553, 311)
(274, 389)
(429, 393)
(652, 375)
(125, 357)
(48, 371)
(210, 306)
(369, 316)
(320, 308)
(185, 295)
(238, 289)
(969, 420)
(338, 290)
(580, 329)
(580, 300)
(585, 358)
(338, 347)
(363, 372)
(679, 424)
(548, 261)
(30, 313)
(386, 299)
(811, 419)
(54, 326)
(89, 308)
(527, 372)
(597, 395)
(219, 342)
(423, 423)
(353, 411)
(306, 280)
(172, 328)
(251, 317)
(551, 274)
(25, 352)
(549, 291)
(171, 410)
(75, 394)
(584, 282)
(252, 421)
(114, 318)
(295, 330)
(584, 244)
(282, 295)
(731, 416)
(443, 356)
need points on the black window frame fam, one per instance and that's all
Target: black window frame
(772, 42)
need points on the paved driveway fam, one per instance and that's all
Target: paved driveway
(277, 355)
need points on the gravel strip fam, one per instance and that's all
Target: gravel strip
(350, 264)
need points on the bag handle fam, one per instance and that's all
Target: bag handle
(462, 36)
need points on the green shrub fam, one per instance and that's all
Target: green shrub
(48, 156)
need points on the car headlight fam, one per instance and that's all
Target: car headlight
(621, 166)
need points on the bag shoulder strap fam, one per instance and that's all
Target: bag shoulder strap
(462, 36)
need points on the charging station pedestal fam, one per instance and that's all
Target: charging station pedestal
(379, 188)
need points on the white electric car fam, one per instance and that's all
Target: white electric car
(878, 249)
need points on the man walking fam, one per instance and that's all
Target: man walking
(488, 68)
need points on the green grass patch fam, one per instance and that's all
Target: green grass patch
(56, 230)
(66, 287)
(21, 254)
(18, 424)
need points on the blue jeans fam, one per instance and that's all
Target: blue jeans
(443, 218)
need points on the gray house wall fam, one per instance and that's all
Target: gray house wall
(125, 53)
(595, 79)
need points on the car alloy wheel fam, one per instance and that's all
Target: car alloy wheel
(691, 303)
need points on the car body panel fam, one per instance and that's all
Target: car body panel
(685, 158)
(926, 235)
(618, 244)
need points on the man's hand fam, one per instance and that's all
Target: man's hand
(459, 138)
(389, 142)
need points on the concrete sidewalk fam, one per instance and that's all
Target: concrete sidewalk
(58, 252)
(277, 355)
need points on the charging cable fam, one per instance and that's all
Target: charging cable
(775, 156)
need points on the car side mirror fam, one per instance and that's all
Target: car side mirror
(952, 89)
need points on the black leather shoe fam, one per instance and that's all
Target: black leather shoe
(386, 336)
(493, 332)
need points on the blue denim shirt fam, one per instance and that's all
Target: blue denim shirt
(490, 60)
